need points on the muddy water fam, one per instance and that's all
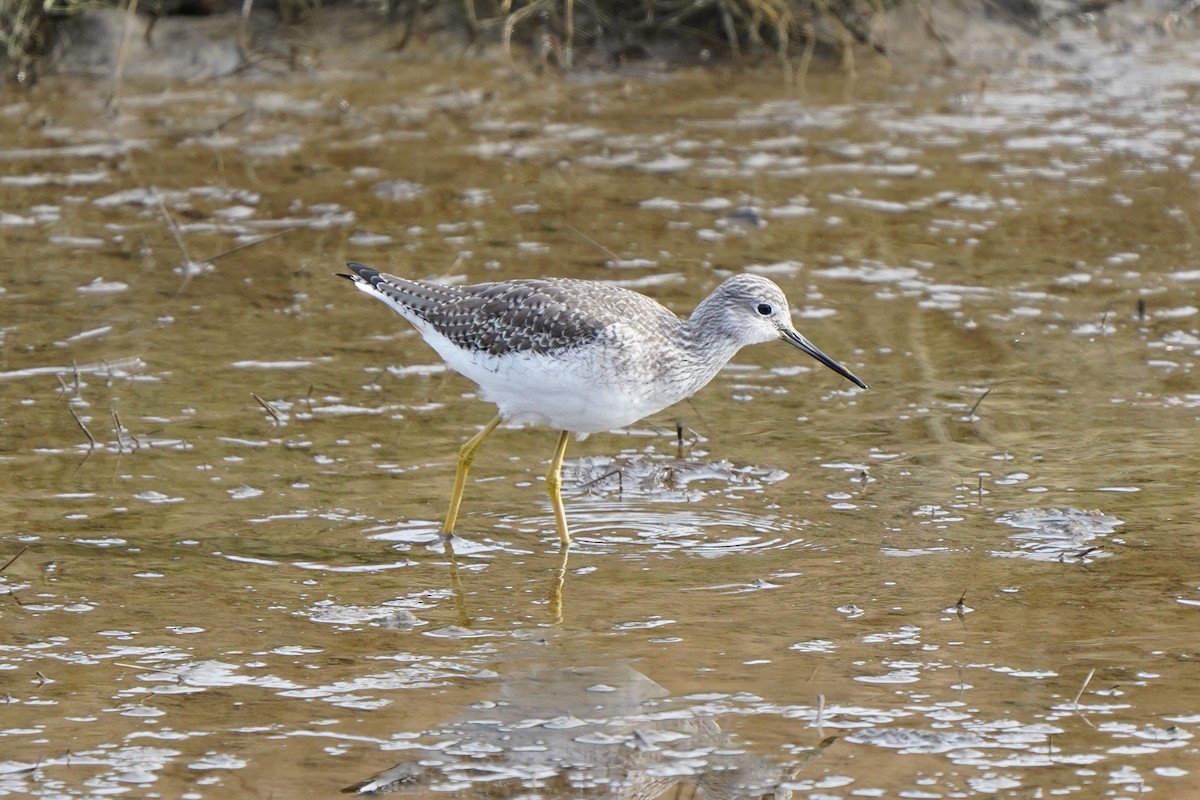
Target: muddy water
(975, 579)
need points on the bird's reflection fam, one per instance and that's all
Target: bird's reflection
(461, 611)
(585, 732)
(554, 595)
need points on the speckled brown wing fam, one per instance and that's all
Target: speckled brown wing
(535, 315)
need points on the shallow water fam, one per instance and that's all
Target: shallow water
(976, 578)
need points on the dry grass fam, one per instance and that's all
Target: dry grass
(558, 31)
(721, 27)
(25, 27)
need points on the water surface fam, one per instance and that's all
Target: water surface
(974, 579)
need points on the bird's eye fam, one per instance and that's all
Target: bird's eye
(764, 309)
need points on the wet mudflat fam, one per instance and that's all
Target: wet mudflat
(975, 579)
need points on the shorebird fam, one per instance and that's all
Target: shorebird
(581, 356)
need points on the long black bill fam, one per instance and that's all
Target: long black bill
(793, 338)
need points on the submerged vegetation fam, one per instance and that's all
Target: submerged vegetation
(556, 32)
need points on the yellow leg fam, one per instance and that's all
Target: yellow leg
(465, 456)
(554, 486)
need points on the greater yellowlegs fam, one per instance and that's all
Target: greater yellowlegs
(581, 356)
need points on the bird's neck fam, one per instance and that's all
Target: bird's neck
(704, 346)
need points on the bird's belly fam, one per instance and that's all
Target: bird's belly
(569, 394)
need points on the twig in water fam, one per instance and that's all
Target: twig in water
(1104, 318)
(342, 104)
(1141, 308)
(1083, 687)
(121, 429)
(189, 266)
(117, 430)
(599, 478)
(20, 553)
(986, 392)
(670, 477)
(679, 439)
(82, 427)
(593, 242)
(192, 268)
(127, 665)
(248, 245)
(176, 136)
(108, 373)
(275, 421)
(960, 608)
